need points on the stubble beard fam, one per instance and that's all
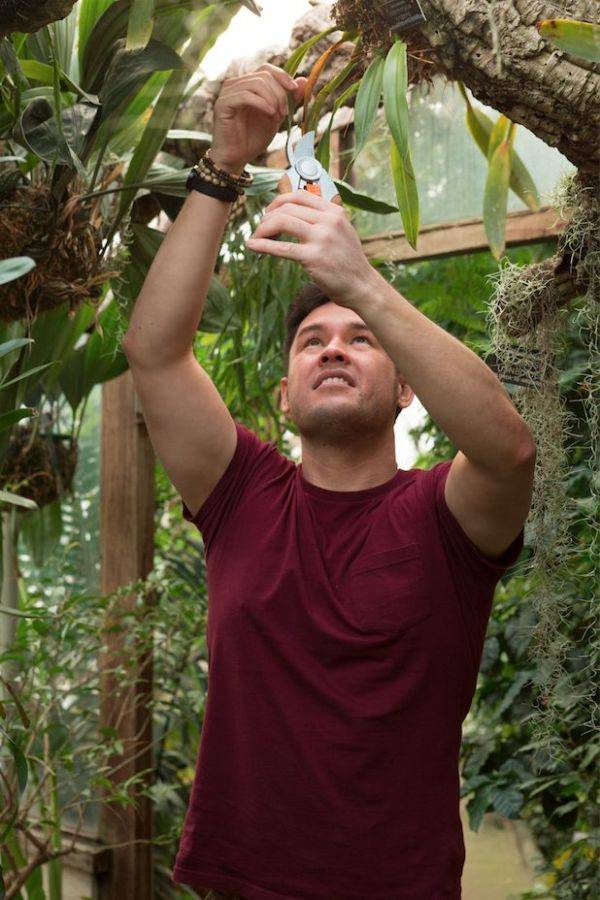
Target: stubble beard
(340, 424)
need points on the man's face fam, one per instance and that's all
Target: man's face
(333, 339)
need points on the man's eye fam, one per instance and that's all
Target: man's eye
(358, 337)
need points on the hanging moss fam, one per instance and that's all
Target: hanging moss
(528, 320)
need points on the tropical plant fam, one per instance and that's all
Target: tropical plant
(472, 47)
(55, 738)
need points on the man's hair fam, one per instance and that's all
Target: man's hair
(304, 301)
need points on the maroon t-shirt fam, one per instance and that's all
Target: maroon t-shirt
(345, 631)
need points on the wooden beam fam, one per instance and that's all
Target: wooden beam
(127, 547)
(463, 236)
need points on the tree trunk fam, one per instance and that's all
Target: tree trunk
(495, 48)
(31, 15)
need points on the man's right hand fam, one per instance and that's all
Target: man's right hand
(248, 113)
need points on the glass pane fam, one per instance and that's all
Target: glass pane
(450, 168)
(71, 568)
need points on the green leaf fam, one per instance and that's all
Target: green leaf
(326, 90)
(573, 36)
(495, 198)
(41, 533)
(477, 807)
(252, 6)
(498, 134)
(55, 334)
(89, 13)
(517, 685)
(522, 183)
(39, 71)
(406, 193)
(8, 419)
(151, 141)
(323, 150)
(15, 267)
(129, 70)
(367, 102)
(8, 497)
(99, 360)
(507, 801)
(37, 129)
(27, 374)
(481, 126)
(141, 23)
(351, 197)
(293, 63)
(20, 763)
(15, 343)
(395, 85)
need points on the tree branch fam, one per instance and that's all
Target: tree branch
(496, 50)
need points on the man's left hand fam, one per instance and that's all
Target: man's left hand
(329, 248)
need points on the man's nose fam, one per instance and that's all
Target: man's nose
(332, 351)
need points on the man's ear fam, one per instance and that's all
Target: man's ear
(281, 392)
(405, 394)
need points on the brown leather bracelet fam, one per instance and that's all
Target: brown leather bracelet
(195, 181)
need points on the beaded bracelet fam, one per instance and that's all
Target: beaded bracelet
(207, 174)
(243, 180)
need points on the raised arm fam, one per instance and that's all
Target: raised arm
(190, 428)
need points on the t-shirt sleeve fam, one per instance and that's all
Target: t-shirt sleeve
(250, 459)
(462, 553)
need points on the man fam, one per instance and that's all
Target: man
(348, 599)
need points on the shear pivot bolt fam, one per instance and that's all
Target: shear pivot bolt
(308, 168)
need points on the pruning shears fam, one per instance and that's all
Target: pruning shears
(306, 172)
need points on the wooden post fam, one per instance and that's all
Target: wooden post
(126, 544)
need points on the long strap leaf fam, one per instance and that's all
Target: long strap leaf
(395, 85)
(367, 102)
(313, 78)
(140, 25)
(521, 182)
(406, 193)
(496, 194)
(293, 63)
(326, 90)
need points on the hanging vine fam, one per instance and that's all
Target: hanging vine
(528, 318)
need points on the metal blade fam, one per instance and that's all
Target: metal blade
(304, 147)
(327, 185)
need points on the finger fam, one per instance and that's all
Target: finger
(240, 99)
(301, 212)
(276, 248)
(294, 85)
(302, 198)
(280, 75)
(264, 84)
(254, 86)
(280, 223)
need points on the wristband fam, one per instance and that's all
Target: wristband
(196, 183)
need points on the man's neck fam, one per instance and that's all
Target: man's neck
(352, 467)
